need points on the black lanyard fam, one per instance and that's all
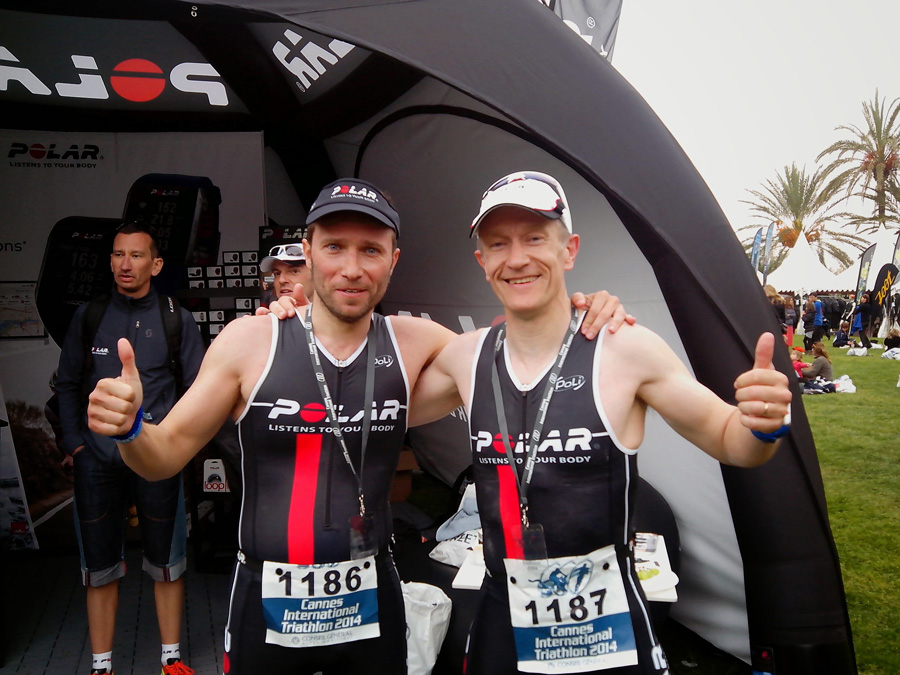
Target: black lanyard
(329, 402)
(535, 438)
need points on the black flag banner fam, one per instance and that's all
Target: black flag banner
(596, 21)
(887, 275)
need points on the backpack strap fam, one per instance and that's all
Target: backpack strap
(90, 323)
(173, 324)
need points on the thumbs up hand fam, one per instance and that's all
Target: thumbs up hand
(762, 393)
(114, 403)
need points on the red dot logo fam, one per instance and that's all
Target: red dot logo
(37, 151)
(498, 444)
(345, 189)
(312, 412)
(141, 84)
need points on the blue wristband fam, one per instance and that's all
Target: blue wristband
(135, 428)
(765, 438)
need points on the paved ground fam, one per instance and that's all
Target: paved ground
(45, 621)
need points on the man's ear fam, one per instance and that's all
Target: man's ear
(480, 261)
(307, 248)
(572, 247)
(396, 256)
(157, 266)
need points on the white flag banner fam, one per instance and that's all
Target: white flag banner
(596, 21)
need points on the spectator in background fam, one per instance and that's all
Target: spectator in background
(287, 265)
(862, 319)
(820, 367)
(842, 336)
(818, 320)
(809, 316)
(797, 361)
(104, 486)
(777, 306)
(790, 319)
(893, 339)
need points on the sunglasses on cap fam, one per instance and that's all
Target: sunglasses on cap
(286, 249)
(532, 175)
(533, 195)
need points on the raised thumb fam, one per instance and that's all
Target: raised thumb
(765, 350)
(126, 356)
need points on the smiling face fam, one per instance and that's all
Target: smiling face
(133, 263)
(525, 257)
(351, 257)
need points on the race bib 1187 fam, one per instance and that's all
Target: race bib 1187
(570, 615)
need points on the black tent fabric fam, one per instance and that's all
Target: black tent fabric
(422, 97)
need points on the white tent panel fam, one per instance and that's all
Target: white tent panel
(801, 270)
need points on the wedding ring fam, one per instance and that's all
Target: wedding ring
(766, 409)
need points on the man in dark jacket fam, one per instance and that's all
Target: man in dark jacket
(104, 486)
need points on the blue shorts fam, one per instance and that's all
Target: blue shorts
(103, 493)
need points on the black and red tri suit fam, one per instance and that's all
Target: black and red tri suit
(582, 491)
(299, 493)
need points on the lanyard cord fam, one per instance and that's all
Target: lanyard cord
(329, 402)
(534, 440)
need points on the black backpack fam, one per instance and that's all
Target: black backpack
(172, 325)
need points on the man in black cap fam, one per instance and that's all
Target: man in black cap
(321, 404)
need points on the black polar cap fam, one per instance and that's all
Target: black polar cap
(354, 194)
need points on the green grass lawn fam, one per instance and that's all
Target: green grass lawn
(858, 441)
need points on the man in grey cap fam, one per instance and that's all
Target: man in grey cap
(321, 405)
(287, 266)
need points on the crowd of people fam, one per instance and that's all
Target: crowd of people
(855, 323)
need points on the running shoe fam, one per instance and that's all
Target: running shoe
(176, 667)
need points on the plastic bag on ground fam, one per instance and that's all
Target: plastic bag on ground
(427, 619)
(844, 385)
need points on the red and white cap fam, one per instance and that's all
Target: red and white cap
(531, 190)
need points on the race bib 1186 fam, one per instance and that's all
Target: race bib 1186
(317, 605)
(570, 615)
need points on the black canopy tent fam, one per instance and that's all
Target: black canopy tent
(435, 100)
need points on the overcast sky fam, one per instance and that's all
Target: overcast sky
(749, 87)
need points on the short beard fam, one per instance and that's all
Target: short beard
(347, 317)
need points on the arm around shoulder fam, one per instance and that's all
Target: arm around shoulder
(443, 385)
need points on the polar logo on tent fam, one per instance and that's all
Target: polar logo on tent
(307, 63)
(136, 80)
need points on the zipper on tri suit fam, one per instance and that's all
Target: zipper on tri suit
(524, 428)
(332, 451)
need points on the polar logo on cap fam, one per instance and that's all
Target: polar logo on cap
(353, 191)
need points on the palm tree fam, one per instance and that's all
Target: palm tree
(867, 165)
(802, 204)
